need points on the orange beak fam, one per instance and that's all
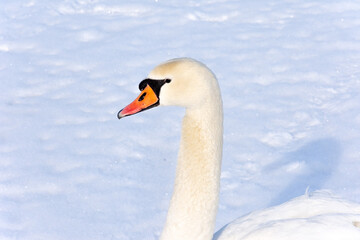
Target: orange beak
(146, 100)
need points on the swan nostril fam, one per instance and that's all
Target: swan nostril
(142, 97)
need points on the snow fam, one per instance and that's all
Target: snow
(290, 79)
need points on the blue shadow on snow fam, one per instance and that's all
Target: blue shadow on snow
(319, 159)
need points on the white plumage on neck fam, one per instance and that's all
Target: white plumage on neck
(194, 203)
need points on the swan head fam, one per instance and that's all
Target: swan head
(181, 82)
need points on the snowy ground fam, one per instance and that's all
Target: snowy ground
(69, 169)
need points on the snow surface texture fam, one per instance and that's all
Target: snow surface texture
(290, 78)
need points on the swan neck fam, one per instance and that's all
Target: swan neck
(194, 203)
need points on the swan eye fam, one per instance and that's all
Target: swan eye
(167, 80)
(142, 97)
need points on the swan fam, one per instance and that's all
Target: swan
(193, 206)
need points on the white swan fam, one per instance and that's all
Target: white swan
(193, 207)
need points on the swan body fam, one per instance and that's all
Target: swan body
(188, 83)
(315, 216)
